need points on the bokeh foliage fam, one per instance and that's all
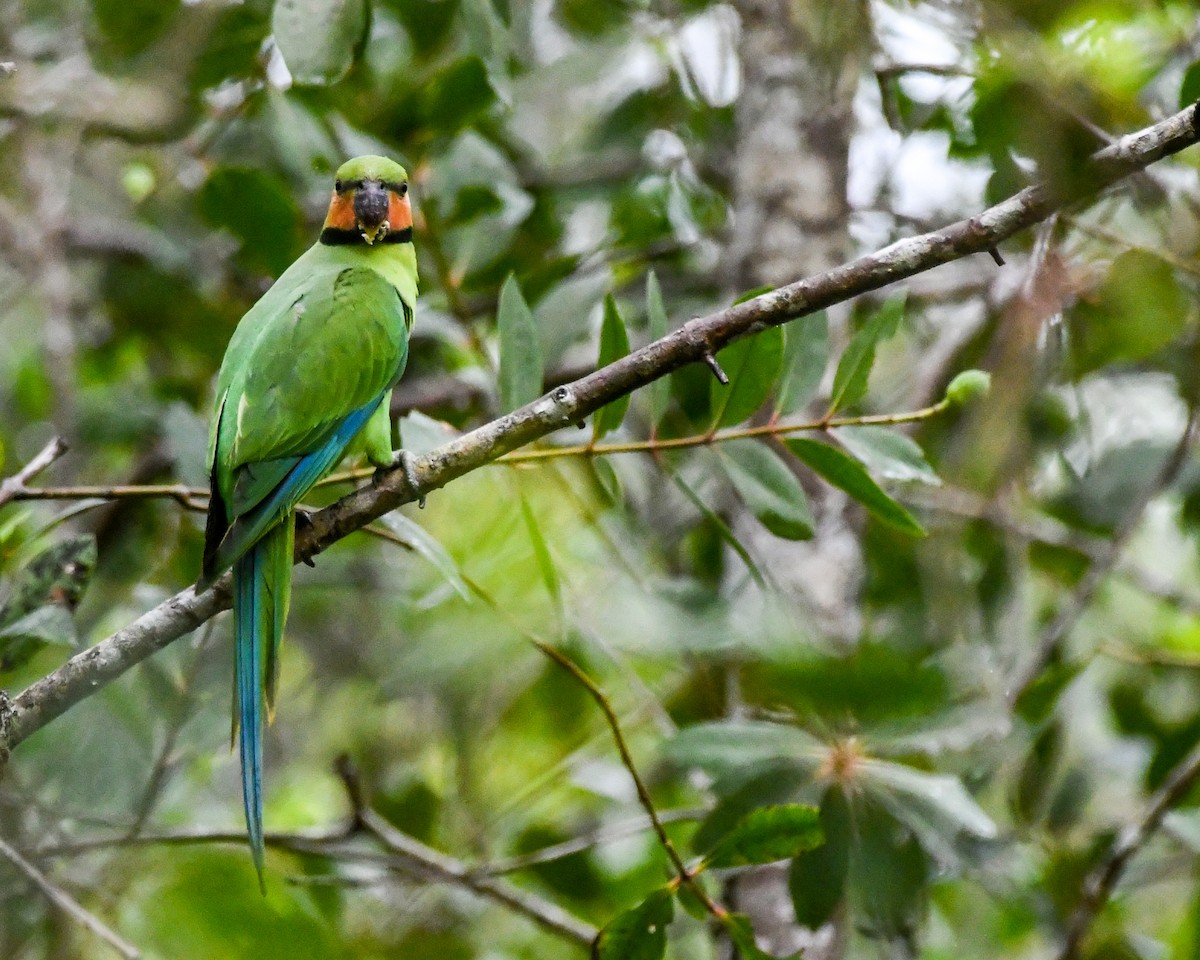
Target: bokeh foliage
(161, 162)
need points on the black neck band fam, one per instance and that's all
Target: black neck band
(333, 237)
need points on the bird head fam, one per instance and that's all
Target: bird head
(369, 204)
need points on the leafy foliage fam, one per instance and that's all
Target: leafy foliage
(747, 582)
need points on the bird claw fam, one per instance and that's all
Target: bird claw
(402, 461)
(303, 519)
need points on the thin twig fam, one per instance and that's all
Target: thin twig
(1099, 884)
(448, 870)
(737, 433)
(194, 498)
(586, 841)
(14, 486)
(1052, 638)
(404, 854)
(68, 904)
(685, 875)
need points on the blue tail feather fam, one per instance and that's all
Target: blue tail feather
(248, 597)
(262, 577)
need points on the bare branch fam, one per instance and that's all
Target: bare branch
(1100, 882)
(563, 406)
(403, 853)
(68, 904)
(1053, 637)
(438, 866)
(14, 486)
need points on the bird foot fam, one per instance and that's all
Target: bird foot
(304, 523)
(403, 461)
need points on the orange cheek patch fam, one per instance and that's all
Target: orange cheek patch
(341, 213)
(399, 213)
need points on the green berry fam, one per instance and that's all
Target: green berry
(968, 386)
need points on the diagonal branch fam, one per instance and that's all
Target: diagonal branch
(11, 488)
(1099, 884)
(68, 904)
(90, 670)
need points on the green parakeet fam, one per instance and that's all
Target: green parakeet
(309, 368)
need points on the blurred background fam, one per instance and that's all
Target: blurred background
(977, 711)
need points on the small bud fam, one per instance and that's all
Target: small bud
(138, 180)
(968, 386)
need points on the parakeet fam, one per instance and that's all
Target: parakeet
(309, 368)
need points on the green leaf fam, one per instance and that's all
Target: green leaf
(817, 878)
(1138, 309)
(752, 293)
(319, 38)
(887, 453)
(752, 365)
(258, 209)
(889, 873)
(24, 637)
(520, 349)
(722, 748)
(541, 553)
(490, 39)
(846, 473)
(130, 26)
(1189, 90)
(721, 527)
(740, 792)
(737, 925)
(805, 355)
(769, 834)
(455, 96)
(768, 488)
(639, 933)
(936, 807)
(854, 369)
(614, 344)
(656, 313)
(427, 546)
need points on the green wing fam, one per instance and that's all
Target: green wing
(326, 340)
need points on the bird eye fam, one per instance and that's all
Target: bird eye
(403, 189)
(337, 186)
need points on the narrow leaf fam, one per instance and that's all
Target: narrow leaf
(846, 473)
(805, 355)
(614, 344)
(424, 544)
(768, 488)
(541, 553)
(854, 369)
(520, 349)
(722, 529)
(887, 453)
(753, 366)
(769, 834)
(656, 313)
(639, 933)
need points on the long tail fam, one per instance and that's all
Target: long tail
(262, 591)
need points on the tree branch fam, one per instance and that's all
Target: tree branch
(14, 486)
(1098, 885)
(68, 904)
(90, 670)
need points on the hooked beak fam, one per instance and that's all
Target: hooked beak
(371, 210)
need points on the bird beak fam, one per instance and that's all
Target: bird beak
(371, 210)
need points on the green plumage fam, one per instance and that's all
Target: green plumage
(308, 370)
